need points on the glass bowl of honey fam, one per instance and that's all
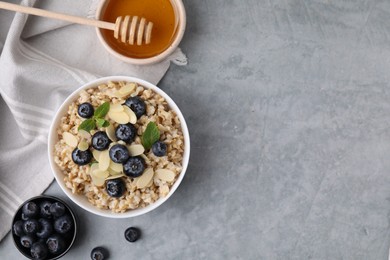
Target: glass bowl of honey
(169, 22)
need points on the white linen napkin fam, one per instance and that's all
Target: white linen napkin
(42, 61)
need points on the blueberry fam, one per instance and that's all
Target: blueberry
(126, 133)
(132, 234)
(137, 105)
(85, 110)
(45, 209)
(134, 166)
(31, 226)
(81, 157)
(115, 187)
(17, 228)
(63, 224)
(27, 240)
(46, 228)
(30, 209)
(57, 209)
(100, 141)
(159, 148)
(39, 251)
(24, 217)
(99, 253)
(56, 244)
(119, 153)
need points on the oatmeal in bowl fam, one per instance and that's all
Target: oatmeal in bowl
(119, 147)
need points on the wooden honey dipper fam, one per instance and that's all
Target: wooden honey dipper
(127, 29)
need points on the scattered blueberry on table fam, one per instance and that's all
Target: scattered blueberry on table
(99, 253)
(132, 234)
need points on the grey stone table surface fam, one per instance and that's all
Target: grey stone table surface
(288, 106)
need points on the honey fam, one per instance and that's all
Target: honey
(160, 12)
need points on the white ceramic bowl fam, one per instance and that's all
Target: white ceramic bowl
(80, 199)
(181, 25)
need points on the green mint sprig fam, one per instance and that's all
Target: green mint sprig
(150, 136)
(97, 119)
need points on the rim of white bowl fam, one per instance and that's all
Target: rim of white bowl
(181, 12)
(80, 199)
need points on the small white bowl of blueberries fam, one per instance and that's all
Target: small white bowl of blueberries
(44, 227)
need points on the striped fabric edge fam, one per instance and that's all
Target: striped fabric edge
(31, 126)
(26, 106)
(29, 117)
(5, 199)
(6, 209)
(9, 201)
(79, 75)
(11, 193)
(30, 137)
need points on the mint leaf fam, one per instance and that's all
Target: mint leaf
(87, 125)
(150, 136)
(101, 122)
(102, 110)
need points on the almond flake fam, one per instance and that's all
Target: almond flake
(117, 94)
(115, 176)
(150, 183)
(145, 158)
(127, 89)
(121, 142)
(114, 173)
(110, 131)
(70, 139)
(84, 134)
(104, 160)
(116, 167)
(83, 145)
(130, 113)
(94, 166)
(96, 154)
(165, 175)
(97, 181)
(145, 178)
(100, 174)
(119, 117)
(116, 108)
(164, 190)
(136, 149)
